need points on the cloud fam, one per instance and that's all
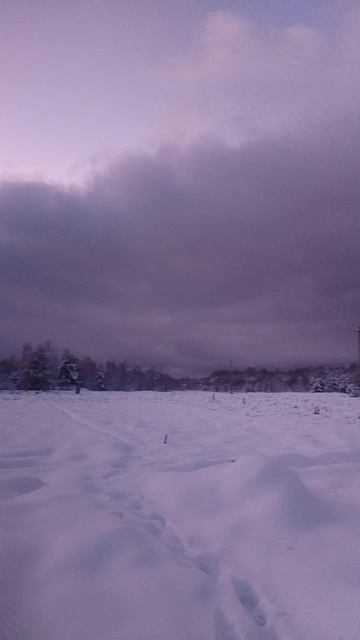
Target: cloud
(194, 256)
(240, 80)
(241, 244)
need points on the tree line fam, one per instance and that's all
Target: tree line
(40, 368)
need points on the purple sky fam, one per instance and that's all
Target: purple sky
(180, 179)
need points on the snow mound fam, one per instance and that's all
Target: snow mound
(283, 496)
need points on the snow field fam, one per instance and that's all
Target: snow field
(245, 525)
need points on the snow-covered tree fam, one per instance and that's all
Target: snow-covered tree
(100, 380)
(37, 367)
(68, 371)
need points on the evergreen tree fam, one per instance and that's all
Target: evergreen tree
(100, 380)
(37, 367)
(69, 371)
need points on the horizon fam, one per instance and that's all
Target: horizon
(231, 367)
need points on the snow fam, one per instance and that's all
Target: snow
(245, 525)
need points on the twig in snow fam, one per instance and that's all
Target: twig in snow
(166, 438)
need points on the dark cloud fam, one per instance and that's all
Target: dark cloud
(191, 257)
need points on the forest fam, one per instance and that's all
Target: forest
(41, 368)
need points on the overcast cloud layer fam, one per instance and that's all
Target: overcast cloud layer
(235, 238)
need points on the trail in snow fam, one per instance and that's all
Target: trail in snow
(244, 525)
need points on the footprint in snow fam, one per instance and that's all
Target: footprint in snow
(254, 612)
(18, 486)
(224, 630)
(240, 614)
(249, 601)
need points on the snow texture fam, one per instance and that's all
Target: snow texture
(243, 523)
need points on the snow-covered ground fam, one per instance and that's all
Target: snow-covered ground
(245, 525)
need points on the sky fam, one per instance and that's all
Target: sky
(179, 180)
